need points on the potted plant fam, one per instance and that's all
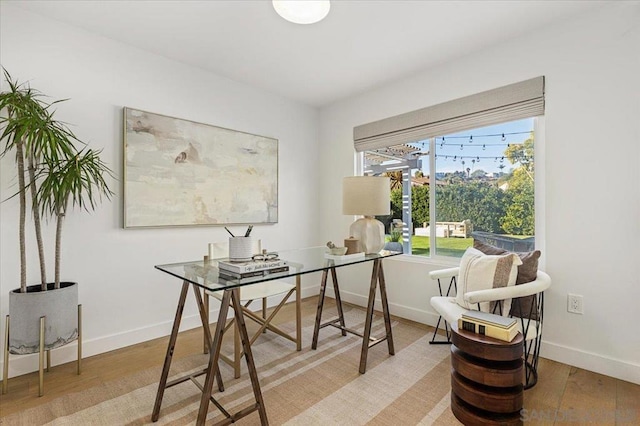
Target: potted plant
(395, 241)
(55, 175)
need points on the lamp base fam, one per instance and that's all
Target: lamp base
(370, 232)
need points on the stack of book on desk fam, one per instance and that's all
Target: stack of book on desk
(254, 268)
(496, 326)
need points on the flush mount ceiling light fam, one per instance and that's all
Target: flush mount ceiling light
(302, 12)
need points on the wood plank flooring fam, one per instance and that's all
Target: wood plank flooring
(563, 393)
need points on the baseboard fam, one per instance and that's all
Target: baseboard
(619, 369)
(406, 312)
(23, 364)
(623, 370)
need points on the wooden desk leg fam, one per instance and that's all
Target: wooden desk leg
(336, 290)
(206, 343)
(298, 315)
(369, 318)
(316, 328)
(204, 317)
(385, 309)
(248, 355)
(214, 358)
(167, 359)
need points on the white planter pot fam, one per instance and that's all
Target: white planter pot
(59, 306)
(394, 246)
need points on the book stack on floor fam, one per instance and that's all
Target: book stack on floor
(491, 325)
(254, 268)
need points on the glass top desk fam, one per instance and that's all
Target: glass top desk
(205, 275)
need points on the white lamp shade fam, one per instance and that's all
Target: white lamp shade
(366, 195)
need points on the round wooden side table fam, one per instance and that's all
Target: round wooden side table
(486, 378)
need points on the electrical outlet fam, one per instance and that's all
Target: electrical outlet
(574, 304)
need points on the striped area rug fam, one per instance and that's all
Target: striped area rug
(311, 387)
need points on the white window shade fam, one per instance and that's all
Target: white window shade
(508, 103)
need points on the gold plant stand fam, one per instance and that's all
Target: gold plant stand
(41, 361)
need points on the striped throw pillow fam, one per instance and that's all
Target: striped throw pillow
(479, 271)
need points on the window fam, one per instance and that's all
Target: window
(470, 182)
(483, 187)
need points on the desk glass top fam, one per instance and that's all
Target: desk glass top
(300, 261)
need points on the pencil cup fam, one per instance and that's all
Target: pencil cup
(240, 249)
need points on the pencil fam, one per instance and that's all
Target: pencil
(230, 233)
(246, 234)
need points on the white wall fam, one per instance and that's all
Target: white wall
(125, 300)
(590, 178)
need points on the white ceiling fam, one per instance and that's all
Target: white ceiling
(360, 45)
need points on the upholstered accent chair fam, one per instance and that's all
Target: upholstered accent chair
(524, 301)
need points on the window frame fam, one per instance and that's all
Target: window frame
(539, 197)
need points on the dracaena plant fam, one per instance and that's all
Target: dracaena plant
(50, 168)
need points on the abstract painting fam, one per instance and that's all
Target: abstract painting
(182, 173)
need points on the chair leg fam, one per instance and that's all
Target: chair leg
(447, 330)
(79, 339)
(5, 368)
(532, 352)
(298, 315)
(532, 347)
(41, 359)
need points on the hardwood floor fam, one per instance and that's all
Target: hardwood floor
(563, 393)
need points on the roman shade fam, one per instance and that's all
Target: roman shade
(508, 103)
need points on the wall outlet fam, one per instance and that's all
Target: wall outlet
(574, 304)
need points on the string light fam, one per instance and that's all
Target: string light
(502, 136)
(466, 157)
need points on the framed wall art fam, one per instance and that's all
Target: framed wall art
(182, 173)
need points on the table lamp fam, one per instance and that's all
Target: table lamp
(367, 196)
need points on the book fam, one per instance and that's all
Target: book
(251, 266)
(489, 319)
(500, 333)
(230, 275)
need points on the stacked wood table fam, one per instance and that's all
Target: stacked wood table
(486, 379)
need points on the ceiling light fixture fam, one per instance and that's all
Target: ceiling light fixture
(302, 12)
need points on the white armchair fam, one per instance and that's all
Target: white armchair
(530, 323)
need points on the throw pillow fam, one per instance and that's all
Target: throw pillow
(523, 306)
(481, 272)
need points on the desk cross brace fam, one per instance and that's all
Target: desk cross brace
(377, 279)
(333, 322)
(230, 297)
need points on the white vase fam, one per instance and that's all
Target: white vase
(370, 232)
